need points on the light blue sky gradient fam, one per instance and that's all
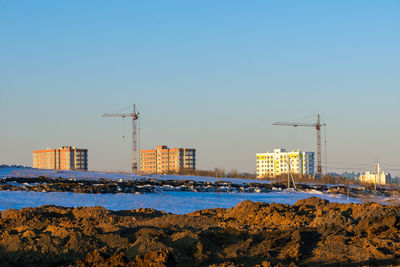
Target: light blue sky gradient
(212, 75)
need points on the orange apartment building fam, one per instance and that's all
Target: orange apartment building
(164, 159)
(63, 158)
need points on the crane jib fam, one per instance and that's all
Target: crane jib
(135, 116)
(318, 128)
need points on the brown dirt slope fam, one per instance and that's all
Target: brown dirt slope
(311, 232)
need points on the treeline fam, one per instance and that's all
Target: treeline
(298, 178)
(217, 172)
(324, 179)
(11, 166)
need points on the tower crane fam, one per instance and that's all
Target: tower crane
(135, 116)
(317, 126)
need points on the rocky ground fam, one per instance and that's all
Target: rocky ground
(311, 232)
(45, 184)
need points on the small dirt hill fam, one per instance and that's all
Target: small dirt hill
(310, 232)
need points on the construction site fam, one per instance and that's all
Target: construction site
(199, 133)
(322, 223)
(268, 165)
(153, 169)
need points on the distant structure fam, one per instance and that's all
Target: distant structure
(135, 116)
(317, 127)
(350, 175)
(378, 177)
(63, 158)
(395, 180)
(280, 161)
(164, 159)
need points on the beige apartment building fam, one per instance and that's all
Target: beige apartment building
(63, 158)
(164, 159)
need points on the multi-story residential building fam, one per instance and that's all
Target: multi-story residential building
(63, 158)
(275, 163)
(164, 159)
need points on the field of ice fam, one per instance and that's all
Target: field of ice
(176, 202)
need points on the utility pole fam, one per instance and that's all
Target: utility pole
(135, 116)
(376, 169)
(290, 176)
(317, 126)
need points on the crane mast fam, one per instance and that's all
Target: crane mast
(319, 160)
(317, 127)
(135, 116)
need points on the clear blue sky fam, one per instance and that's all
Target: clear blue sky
(212, 75)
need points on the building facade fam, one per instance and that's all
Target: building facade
(275, 163)
(164, 159)
(378, 177)
(63, 158)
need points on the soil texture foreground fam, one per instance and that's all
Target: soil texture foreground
(310, 232)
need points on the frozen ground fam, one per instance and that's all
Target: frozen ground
(174, 202)
(94, 175)
(30, 172)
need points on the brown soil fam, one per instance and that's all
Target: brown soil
(311, 232)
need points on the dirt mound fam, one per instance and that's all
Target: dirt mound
(311, 232)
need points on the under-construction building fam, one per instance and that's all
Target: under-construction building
(164, 159)
(63, 158)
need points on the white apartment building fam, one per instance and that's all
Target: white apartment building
(378, 177)
(275, 163)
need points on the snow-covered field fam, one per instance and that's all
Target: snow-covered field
(177, 202)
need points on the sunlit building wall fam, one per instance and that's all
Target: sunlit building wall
(378, 177)
(63, 158)
(275, 163)
(164, 159)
